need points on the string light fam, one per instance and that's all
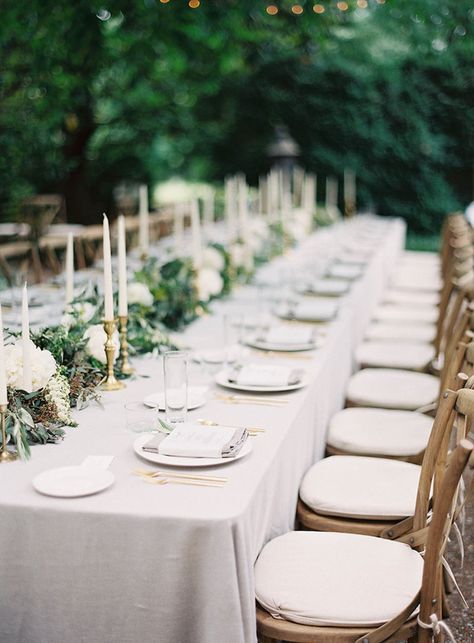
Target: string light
(362, 4)
(318, 8)
(342, 6)
(297, 9)
(272, 10)
(380, 1)
(164, 1)
(194, 4)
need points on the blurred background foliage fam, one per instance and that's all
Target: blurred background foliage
(94, 94)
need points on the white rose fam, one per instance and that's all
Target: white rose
(43, 366)
(82, 311)
(209, 283)
(237, 254)
(96, 344)
(258, 228)
(212, 258)
(138, 293)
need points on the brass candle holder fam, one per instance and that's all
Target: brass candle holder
(5, 454)
(125, 367)
(110, 383)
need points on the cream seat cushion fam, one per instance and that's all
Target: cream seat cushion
(359, 487)
(407, 355)
(402, 313)
(411, 298)
(417, 256)
(316, 578)
(379, 431)
(392, 389)
(402, 332)
(410, 281)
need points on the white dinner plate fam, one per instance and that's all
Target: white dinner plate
(175, 461)
(73, 482)
(325, 287)
(254, 342)
(320, 312)
(221, 378)
(196, 398)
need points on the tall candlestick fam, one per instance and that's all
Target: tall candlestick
(349, 192)
(122, 268)
(178, 228)
(196, 234)
(25, 337)
(108, 291)
(143, 220)
(3, 374)
(230, 206)
(208, 211)
(243, 208)
(69, 269)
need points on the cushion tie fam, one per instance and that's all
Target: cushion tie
(437, 626)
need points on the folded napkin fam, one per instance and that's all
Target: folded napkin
(345, 271)
(321, 310)
(325, 286)
(261, 375)
(289, 335)
(196, 441)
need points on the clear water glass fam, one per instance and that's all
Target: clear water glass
(140, 418)
(175, 370)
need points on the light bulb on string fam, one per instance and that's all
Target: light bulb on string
(272, 10)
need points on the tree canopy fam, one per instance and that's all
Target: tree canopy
(93, 94)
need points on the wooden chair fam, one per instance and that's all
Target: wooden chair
(401, 434)
(376, 496)
(311, 587)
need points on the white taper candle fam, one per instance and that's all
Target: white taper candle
(122, 268)
(143, 216)
(196, 234)
(25, 337)
(69, 269)
(3, 374)
(108, 291)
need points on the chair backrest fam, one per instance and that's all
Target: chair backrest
(431, 602)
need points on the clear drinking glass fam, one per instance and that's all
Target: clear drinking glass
(175, 370)
(140, 418)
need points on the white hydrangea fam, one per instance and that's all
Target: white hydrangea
(96, 344)
(209, 283)
(212, 258)
(43, 365)
(57, 392)
(138, 293)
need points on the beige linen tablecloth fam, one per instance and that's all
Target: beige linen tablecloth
(173, 564)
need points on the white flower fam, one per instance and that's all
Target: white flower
(258, 228)
(138, 293)
(96, 344)
(82, 311)
(237, 254)
(209, 283)
(57, 392)
(43, 366)
(212, 258)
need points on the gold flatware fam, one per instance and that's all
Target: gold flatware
(251, 398)
(193, 483)
(251, 403)
(250, 429)
(278, 354)
(171, 474)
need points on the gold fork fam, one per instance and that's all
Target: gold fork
(180, 476)
(251, 398)
(277, 354)
(252, 430)
(193, 483)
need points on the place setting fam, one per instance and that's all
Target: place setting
(283, 338)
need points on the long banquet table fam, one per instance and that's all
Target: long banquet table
(171, 564)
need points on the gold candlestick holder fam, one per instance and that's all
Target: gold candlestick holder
(5, 454)
(125, 367)
(111, 383)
